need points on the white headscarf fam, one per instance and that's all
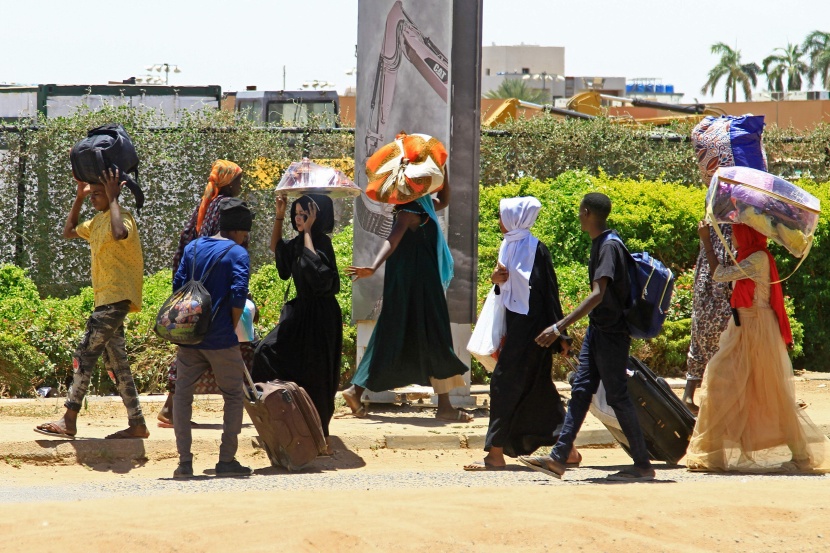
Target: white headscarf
(518, 250)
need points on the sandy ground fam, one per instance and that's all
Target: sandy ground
(395, 500)
(751, 514)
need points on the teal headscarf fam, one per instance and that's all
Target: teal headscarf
(445, 261)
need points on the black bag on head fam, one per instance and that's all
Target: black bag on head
(107, 147)
(185, 317)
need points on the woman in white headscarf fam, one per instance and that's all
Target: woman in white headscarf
(525, 408)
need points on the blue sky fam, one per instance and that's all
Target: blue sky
(247, 42)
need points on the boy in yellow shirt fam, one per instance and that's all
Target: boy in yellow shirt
(117, 278)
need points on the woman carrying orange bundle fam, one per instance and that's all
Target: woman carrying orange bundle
(749, 420)
(412, 341)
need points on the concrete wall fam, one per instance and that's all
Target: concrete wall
(798, 114)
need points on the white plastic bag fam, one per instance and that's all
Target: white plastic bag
(490, 329)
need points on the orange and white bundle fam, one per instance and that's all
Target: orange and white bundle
(407, 169)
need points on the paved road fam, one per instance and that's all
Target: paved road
(274, 479)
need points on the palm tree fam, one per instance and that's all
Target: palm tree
(817, 47)
(787, 62)
(737, 74)
(517, 88)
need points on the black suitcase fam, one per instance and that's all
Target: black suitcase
(667, 424)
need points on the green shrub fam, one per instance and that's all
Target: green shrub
(15, 283)
(149, 355)
(681, 305)
(20, 365)
(666, 354)
(809, 290)
(655, 216)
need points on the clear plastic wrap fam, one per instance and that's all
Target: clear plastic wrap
(771, 205)
(306, 177)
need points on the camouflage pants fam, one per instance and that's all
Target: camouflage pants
(105, 336)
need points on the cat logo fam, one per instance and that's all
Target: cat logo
(439, 70)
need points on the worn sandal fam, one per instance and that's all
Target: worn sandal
(54, 429)
(460, 416)
(480, 466)
(631, 474)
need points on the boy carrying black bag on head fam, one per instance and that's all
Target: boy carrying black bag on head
(117, 280)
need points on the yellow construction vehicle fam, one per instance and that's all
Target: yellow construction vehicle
(590, 102)
(513, 108)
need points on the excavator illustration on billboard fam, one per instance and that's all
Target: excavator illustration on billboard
(401, 39)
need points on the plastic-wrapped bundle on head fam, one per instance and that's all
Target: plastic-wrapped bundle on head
(728, 141)
(771, 205)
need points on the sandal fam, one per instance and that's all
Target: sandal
(544, 464)
(631, 474)
(54, 429)
(359, 410)
(481, 466)
(460, 416)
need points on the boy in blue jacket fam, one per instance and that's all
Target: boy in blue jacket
(227, 284)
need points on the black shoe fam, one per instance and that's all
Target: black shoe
(184, 470)
(232, 468)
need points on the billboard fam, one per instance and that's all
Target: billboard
(407, 51)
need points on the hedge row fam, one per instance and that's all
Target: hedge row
(175, 163)
(38, 336)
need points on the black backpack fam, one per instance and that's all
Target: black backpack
(185, 317)
(107, 147)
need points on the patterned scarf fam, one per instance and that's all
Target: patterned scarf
(222, 174)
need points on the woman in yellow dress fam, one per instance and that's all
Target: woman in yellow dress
(749, 420)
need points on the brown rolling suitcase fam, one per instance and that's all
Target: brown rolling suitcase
(286, 421)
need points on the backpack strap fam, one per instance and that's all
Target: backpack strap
(630, 267)
(207, 272)
(212, 265)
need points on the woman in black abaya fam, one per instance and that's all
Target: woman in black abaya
(525, 408)
(305, 347)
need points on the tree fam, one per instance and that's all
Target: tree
(517, 88)
(817, 47)
(736, 73)
(785, 62)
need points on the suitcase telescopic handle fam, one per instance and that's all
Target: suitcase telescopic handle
(250, 383)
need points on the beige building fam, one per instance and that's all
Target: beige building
(541, 67)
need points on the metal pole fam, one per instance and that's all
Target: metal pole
(21, 202)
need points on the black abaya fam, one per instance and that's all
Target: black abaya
(525, 408)
(306, 345)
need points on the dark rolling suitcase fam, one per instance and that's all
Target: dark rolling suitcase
(286, 421)
(667, 424)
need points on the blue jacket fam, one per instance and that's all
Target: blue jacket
(227, 284)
